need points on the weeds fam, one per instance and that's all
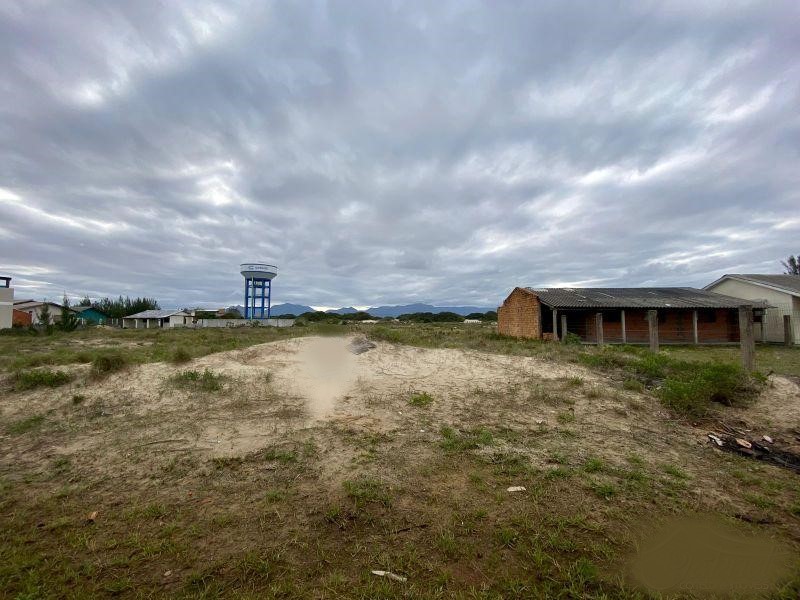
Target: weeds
(207, 381)
(25, 425)
(365, 490)
(454, 441)
(26, 380)
(110, 362)
(180, 356)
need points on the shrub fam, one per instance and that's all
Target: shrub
(109, 362)
(572, 339)
(26, 380)
(690, 391)
(181, 355)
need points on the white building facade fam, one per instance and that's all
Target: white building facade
(781, 292)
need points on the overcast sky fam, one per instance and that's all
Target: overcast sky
(389, 152)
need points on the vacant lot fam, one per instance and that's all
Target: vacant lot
(275, 463)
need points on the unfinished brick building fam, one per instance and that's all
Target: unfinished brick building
(684, 315)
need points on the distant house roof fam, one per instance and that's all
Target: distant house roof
(655, 297)
(23, 304)
(156, 314)
(783, 283)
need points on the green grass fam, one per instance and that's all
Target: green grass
(420, 399)
(461, 441)
(27, 380)
(25, 425)
(206, 381)
(366, 490)
(108, 362)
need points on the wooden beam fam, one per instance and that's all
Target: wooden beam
(563, 327)
(746, 337)
(788, 333)
(695, 336)
(624, 332)
(555, 325)
(598, 323)
(652, 326)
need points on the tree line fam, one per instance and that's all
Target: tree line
(121, 307)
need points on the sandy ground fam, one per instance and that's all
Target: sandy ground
(315, 387)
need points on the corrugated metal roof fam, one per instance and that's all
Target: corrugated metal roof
(155, 314)
(656, 297)
(788, 283)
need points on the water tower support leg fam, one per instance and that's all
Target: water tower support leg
(269, 297)
(246, 289)
(262, 300)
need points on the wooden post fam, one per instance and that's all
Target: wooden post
(695, 336)
(563, 327)
(788, 334)
(746, 337)
(598, 322)
(622, 322)
(652, 326)
(555, 325)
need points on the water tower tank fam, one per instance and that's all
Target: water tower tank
(258, 278)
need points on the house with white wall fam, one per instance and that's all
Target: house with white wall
(34, 309)
(781, 292)
(154, 319)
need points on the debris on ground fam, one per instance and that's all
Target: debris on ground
(91, 518)
(767, 439)
(757, 450)
(359, 345)
(516, 488)
(390, 575)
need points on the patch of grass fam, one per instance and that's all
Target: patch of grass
(633, 385)
(604, 490)
(565, 417)
(207, 381)
(593, 465)
(366, 490)
(282, 456)
(421, 399)
(675, 471)
(447, 544)
(574, 381)
(507, 537)
(26, 380)
(25, 425)
(109, 362)
(180, 356)
(78, 399)
(455, 441)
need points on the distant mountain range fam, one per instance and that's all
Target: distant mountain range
(376, 311)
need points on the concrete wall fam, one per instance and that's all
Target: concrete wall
(6, 307)
(520, 315)
(244, 323)
(785, 304)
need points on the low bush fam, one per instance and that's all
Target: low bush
(454, 441)
(181, 355)
(110, 362)
(26, 380)
(691, 390)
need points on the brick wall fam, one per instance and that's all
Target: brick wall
(674, 326)
(520, 315)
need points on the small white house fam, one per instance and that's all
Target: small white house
(155, 319)
(34, 309)
(781, 292)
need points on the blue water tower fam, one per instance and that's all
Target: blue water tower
(257, 289)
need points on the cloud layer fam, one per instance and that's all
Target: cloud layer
(392, 152)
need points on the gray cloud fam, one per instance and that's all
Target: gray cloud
(381, 152)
